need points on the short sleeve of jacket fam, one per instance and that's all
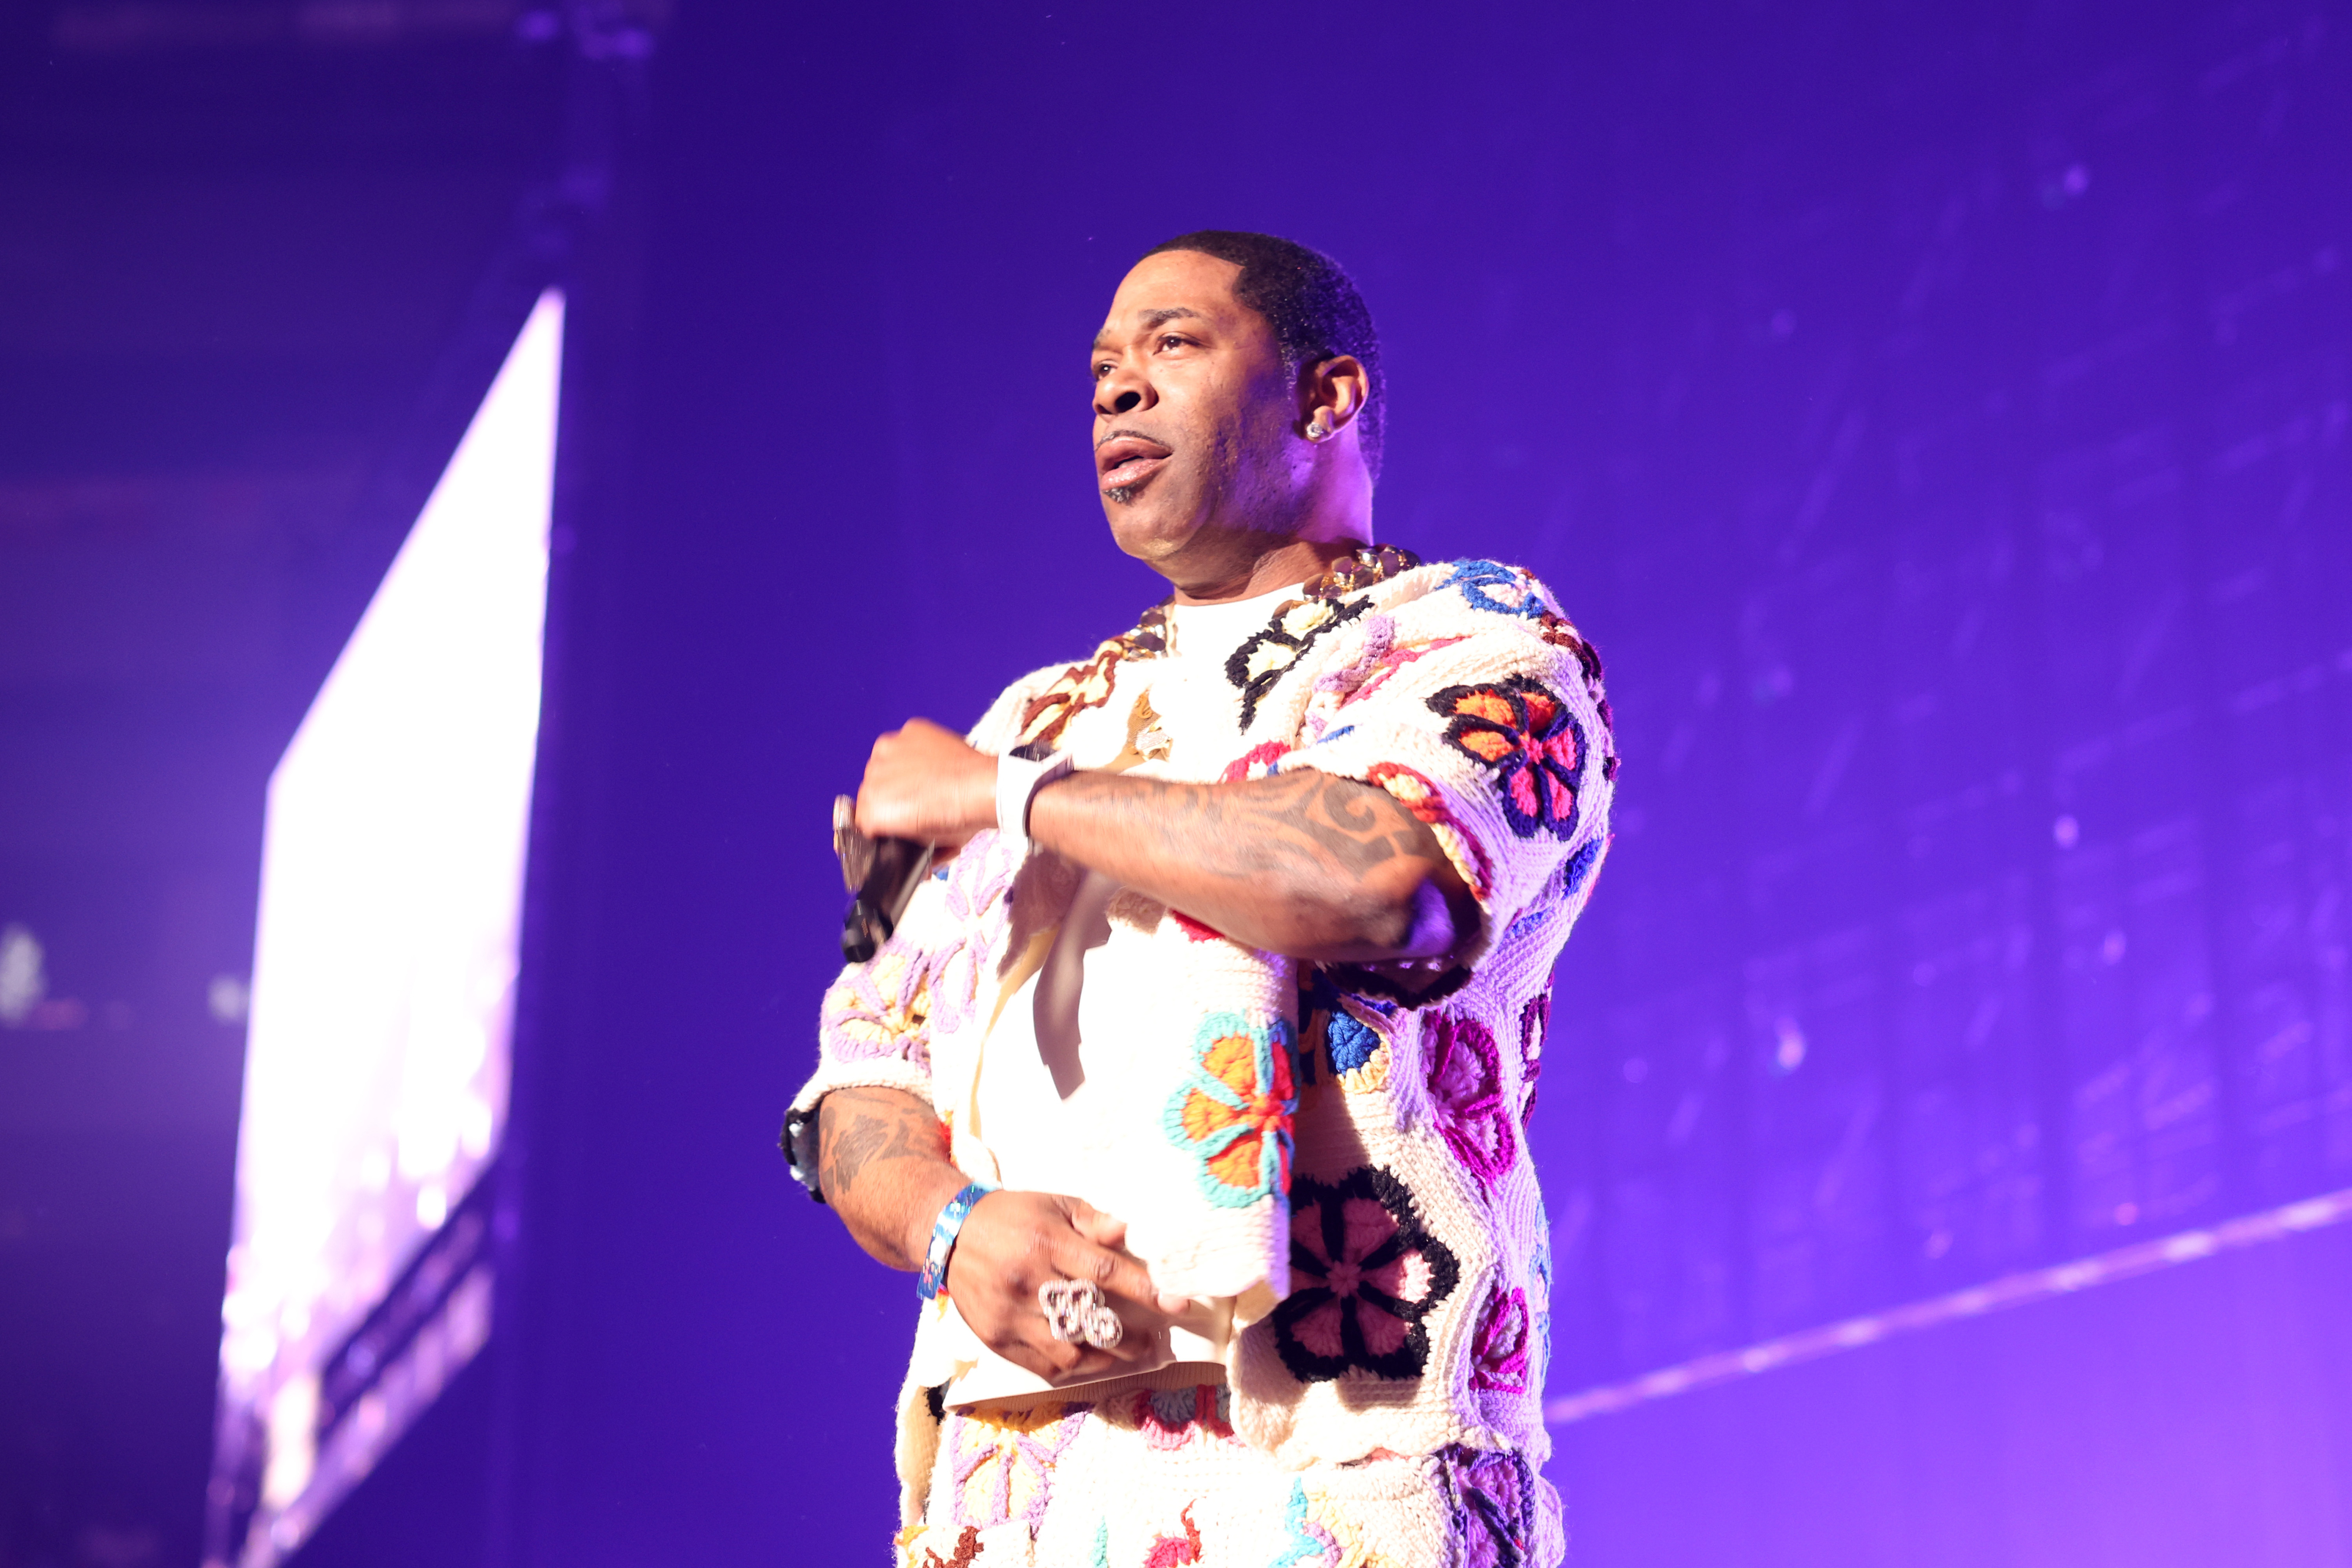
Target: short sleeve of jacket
(874, 1027)
(1490, 729)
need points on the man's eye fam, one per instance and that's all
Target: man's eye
(1172, 341)
(1102, 369)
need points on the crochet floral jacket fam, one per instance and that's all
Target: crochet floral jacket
(1341, 1147)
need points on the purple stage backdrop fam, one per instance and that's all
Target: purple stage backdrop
(1936, 416)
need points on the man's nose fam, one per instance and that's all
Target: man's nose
(1123, 390)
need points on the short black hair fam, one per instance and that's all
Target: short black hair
(1313, 306)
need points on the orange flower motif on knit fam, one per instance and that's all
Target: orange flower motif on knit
(1076, 689)
(1003, 1462)
(1233, 1113)
(1421, 798)
(1523, 732)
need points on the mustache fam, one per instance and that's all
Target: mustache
(1127, 433)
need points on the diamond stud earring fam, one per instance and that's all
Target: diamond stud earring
(1315, 432)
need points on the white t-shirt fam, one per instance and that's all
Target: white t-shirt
(1031, 1098)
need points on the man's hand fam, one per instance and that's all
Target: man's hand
(882, 1161)
(924, 783)
(1012, 1242)
(1301, 864)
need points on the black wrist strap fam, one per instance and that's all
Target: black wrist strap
(799, 1144)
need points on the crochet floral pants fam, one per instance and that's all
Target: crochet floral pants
(1156, 1478)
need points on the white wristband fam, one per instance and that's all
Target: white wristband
(1017, 783)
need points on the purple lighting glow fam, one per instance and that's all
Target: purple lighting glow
(376, 1066)
(2011, 1290)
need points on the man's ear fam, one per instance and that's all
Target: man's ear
(1334, 391)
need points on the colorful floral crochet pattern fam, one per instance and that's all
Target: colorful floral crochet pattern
(1364, 1272)
(965, 1552)
(1421, 799)
(1494, 1493)
(882, 1008)
(1466, 1088)
(1527, 736)
(1170, 1418)
(1080, 687)
(1176, 1550)
(1580, 868)
(1534, 1019)
(1499, 1355)
(1233, 1114)
(1501, 590)
(1560, 634)
(1258, 762)
(1266, 657)
(1003, 1464)
(1394, 660)
(1410, 1235)
(1301, 1543)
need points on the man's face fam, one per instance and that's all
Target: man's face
(1192, 413)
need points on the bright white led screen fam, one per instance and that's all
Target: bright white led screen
(376, 1062)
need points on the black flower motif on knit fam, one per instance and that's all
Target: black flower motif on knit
(1364, 1272)
(1258, 665)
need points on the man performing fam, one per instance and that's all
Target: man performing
(1193, 1083)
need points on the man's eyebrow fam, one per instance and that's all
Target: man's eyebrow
(1159, 318)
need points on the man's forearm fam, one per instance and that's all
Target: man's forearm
(1301, 864)
(882, 1160)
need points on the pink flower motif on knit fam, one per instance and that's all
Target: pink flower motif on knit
(976, 883)
(1388, 663)
(1466, 1087)
(1364, 1272)
(892, 1004)
(1169, 1418)
(1500, 1352)
(1261, 761)
(878, 1009)
(1004, 1463)
(1534, 1020)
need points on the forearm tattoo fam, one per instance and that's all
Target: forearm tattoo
(1306, 825)
(858, 1128)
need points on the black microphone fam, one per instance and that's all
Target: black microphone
(882, 873)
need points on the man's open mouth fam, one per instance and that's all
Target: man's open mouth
(1126, 461)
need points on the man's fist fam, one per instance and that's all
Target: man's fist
(924, 783)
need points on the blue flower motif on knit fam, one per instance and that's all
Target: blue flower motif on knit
(1351, 1044)
(1301, 1542)
(1540, 1274)
(1579, 870)
(1232, 1114)
(1500, 590)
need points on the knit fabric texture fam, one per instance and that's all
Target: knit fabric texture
(1341, 1147)
(1158, 1478)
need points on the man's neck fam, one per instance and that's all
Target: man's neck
(1283, 564)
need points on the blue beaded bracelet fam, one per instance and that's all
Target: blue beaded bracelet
(944, 1230)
